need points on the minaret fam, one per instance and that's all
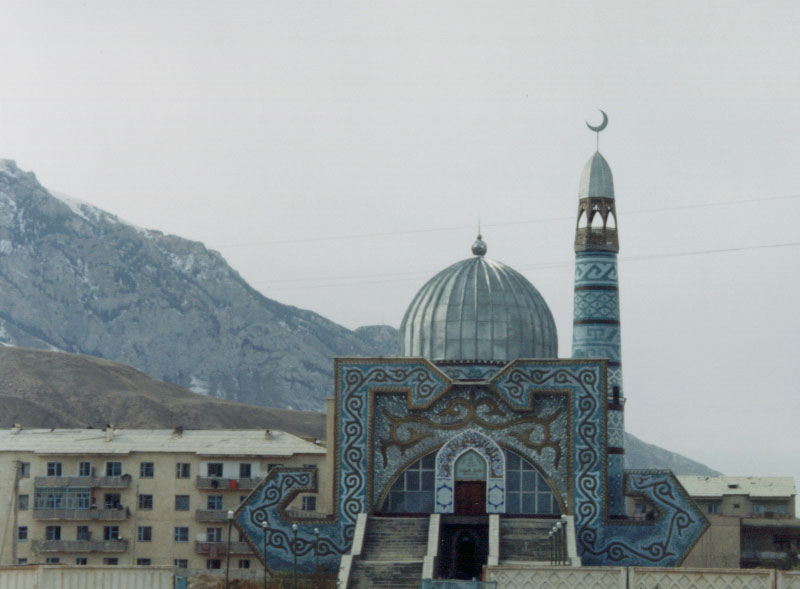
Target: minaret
(596, 325)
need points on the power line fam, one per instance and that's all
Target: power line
(441, 228)
(409, 276)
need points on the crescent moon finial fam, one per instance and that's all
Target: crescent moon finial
(601, 126)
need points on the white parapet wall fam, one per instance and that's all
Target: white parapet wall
(788, 579)
(78, 577)
(556, 577)
(680, 578)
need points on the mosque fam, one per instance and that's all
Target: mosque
(467, 448)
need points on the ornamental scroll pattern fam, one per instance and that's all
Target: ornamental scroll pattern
(663, 542)
(355, 380)
(401, 436)
(266, 504)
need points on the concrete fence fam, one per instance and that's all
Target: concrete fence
(533, 577)
(85, 577)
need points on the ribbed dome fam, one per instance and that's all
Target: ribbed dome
(478, 309)
(596, 179)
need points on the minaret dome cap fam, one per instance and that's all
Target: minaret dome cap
(596, 179)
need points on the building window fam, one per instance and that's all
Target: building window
(110, 532)
(215, 469)
(181, 502)
(242, 498)
(309, 502)
(272, 465)
(713, 508)
(181, 534)
(113, 469)
(146, 470)
(22, 502)
(111, 561)
(214, 503)
(145, 534)
(84, 469)
(54, 469)
(22, 533)
(736, 506)
(183, 470)
(412, 492)
(145, 502)
(81, 561)
(112, 501)
(527, 491)
(22, 561)
(244, 563)
(52, 533)
(245, 470)
(83, 533)
(24, 470)
(52, 560)
(144, 562)
(181, 563)
(213, 534)
(213, 563)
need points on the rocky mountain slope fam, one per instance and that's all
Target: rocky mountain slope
(54, 389)
(78, 279)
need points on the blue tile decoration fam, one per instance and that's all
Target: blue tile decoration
(554, 413)
(465, 441)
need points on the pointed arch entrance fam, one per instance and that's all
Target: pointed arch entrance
(482, 474)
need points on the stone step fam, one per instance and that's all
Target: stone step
(398, 575)
(525, 540)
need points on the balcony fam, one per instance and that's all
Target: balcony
(220, 484)
(211, 515)
(120, 482)
(80, 546)
(105, 514)
(214, 549)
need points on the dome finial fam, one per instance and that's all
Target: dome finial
(599, 127)
(479, 246)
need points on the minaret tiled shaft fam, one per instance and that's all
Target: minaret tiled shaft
(596, 317)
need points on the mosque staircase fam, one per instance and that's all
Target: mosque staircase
(525, 540)
(392, 554)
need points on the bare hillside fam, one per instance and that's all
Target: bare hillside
(54, 389)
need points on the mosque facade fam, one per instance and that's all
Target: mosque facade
(477, 416)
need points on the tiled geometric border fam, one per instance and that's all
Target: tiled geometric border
(662, 542)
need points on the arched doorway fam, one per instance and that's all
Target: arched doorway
(485, 456)
(470, 484)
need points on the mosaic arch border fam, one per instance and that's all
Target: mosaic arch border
(600, 540)
(470, 440)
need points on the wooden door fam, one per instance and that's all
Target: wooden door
(470, 498)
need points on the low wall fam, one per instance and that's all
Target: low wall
(680, 578)
(788, 579)
(85, 577)
(524, 576)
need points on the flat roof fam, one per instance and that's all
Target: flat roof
(203, 442)
(706, 486)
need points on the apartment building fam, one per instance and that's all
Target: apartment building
(753, 520)
(138, 497)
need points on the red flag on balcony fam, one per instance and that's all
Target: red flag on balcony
(233, 483)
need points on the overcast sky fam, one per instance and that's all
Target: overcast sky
(338, 154)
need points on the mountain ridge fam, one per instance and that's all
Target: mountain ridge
(78, 279)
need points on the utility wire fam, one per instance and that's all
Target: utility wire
(390, 278)
(501, 224)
